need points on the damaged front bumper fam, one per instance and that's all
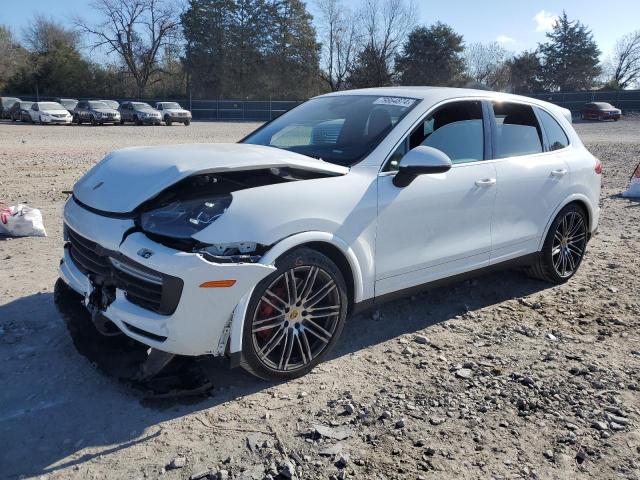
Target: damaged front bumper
(194, 299)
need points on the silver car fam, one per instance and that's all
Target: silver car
(139, 113)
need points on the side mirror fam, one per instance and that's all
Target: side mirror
(421, 160)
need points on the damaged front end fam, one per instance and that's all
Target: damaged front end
(185, 209)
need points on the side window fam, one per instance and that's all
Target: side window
(456, 129)
(518, 132)
(555, 134)
(35, 107)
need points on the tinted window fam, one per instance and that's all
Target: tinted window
(555, 134)
(456, 129)
(518, 132)
(338, 129)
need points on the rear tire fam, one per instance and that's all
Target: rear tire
(563, 248)
(283, 338)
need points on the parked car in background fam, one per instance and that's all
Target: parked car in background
(49, 112)
(68, 103)
(173, 112)
(139, 113)
(20, 111)
(5, 105)
(261, 249)
(96, 112)
(112, 104)
(600, 111)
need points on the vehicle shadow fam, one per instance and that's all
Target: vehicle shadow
(55, 404)
(431, 307)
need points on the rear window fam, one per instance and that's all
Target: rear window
(556, 137)
(518, 132)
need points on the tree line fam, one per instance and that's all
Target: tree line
(260, 49)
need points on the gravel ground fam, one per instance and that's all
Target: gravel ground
(498, 377)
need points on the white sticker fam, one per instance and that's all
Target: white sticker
(396, 101)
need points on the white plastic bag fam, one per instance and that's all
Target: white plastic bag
(634, 185)
(21, 221)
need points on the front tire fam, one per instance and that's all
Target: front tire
(295, 316)
(187, 123)
(167, 121)
(564, 247)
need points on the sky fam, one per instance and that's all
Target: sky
(516, 24)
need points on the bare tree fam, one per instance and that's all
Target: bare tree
(138, 31)
(626, 61)
(485, 64)
(338, 30)
(44, 34)
(386, 24)
(12, 56)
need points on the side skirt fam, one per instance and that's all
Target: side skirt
(523, 261)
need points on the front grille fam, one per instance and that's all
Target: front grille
(151, 290)
(59, 115)
(88, 255)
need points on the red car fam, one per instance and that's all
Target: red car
(600, 111)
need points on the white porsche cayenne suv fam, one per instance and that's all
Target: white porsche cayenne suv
(260, 250)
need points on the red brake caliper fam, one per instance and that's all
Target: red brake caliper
(265, 311)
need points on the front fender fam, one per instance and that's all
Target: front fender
(360, 260)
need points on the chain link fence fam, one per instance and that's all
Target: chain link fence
(626, 100)
(265, 110)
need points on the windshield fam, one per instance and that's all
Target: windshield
(26, 105)
(169, 105)
(69, 103)
(141, 106)
(341, 129)
(603, 105)
(98, 105)
(112, 103)
(9, 101)
(50, 106)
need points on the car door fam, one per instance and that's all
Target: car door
(440, 224)
(34, 112)
(532, 178)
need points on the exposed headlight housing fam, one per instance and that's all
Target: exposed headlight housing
(180, 219)
(236, 252)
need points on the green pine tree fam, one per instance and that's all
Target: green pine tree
(570, 57)
(431, 56)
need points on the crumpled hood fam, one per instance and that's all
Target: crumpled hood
(126, 178)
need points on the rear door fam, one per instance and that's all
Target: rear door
(532, 178)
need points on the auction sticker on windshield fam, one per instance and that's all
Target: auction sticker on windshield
(397, 101)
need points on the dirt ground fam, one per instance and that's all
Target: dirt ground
(497, 377)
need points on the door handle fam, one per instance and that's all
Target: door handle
(561, 172)
(486, 182)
